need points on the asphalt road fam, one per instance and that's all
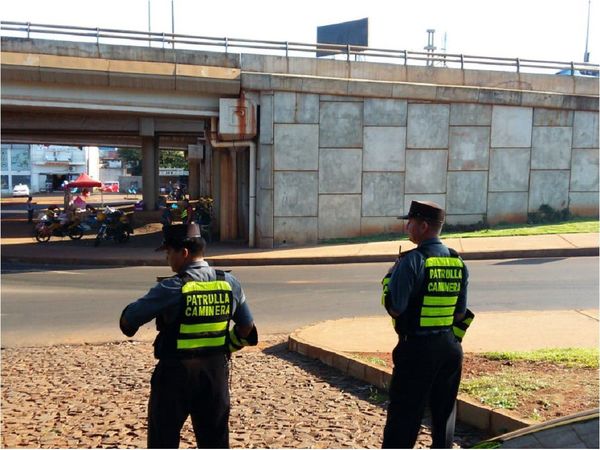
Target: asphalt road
(49, 305)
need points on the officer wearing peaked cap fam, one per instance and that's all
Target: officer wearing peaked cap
(193, 312)
(425, 294)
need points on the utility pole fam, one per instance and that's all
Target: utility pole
(149, 28)
(430, 47)
(586, 54)
(173, 21)
(445, 47)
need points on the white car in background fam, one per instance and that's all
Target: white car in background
(20, 190)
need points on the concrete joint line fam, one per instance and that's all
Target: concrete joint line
(566, 240)
(583, 313)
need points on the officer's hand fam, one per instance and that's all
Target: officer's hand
(127, 329)
(237, 340)
(244, 330)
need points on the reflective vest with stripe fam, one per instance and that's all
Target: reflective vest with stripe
(204, 316)
(202, 326)
(432, 307)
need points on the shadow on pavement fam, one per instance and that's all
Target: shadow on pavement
(527, 261)
(17, 267)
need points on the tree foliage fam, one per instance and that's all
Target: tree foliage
(167, 159)
(173, 159)
(132, 158)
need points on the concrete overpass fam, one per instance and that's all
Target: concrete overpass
(341, 146)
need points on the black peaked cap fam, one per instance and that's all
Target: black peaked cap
(176, 235)
(428, 211)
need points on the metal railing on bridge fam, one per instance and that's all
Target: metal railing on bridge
(360, 53)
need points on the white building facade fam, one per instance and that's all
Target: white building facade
(44, 168)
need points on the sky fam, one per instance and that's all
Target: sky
(531, 29)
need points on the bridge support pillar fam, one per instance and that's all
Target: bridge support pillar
(194, 179)
(150, 172)
(228, 208)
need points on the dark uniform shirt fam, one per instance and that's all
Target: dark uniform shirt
(165, 299)
(409, 274)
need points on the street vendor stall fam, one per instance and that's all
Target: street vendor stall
(85, 181)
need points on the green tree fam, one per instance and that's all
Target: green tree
(167, 159)
(132, 158)
(173, 159)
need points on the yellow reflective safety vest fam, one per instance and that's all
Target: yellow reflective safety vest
(202, 326)
(432, 307)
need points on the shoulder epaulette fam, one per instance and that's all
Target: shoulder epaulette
(220, 275)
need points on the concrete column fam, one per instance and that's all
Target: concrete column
(194, 179)
(156, 170)
(206, 178)
(149, 172)
(228, 207)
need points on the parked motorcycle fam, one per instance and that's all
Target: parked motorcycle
(49, 226)
(203, 216)
(114, 225)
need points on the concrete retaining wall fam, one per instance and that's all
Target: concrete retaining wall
(339, 166)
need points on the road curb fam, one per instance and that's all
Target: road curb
(298, 260)
(491, 421)
(57, 260)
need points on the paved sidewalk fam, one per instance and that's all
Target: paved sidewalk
(490, 331)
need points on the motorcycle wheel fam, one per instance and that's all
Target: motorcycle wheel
(123, 237)
(76, 233)
(97, 241)
(41, 236)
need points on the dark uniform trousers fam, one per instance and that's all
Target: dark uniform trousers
(198, 387)
(425, 368)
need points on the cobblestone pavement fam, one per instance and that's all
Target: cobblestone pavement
(89, 396)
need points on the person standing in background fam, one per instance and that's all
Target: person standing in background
(30, 209)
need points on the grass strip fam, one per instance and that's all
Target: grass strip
(369, 359)
(568, 227)
(505, 388)
(568, 357)
(572, 226)
(502, 390)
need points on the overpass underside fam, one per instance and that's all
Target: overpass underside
(152, 105)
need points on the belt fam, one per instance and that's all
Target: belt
(411, 337)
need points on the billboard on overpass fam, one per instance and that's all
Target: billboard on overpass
(355, 32)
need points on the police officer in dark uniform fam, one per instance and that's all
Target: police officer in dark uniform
(425, 294)
(193, 311)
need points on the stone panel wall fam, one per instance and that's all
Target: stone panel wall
(340, 166)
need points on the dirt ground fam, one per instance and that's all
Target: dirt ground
(567, 390)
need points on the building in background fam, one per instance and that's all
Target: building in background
(44, 168)
(52, 165)
(15, 166)
(111, 165)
